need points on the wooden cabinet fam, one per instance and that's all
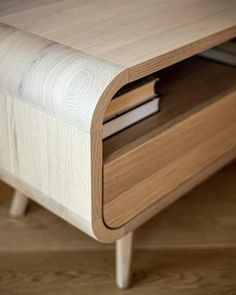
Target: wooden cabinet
(61, 62)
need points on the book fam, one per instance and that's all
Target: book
(129, 97)
(228, 47)
(225, 53)
(130, 117)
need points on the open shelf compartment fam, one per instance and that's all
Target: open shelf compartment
(196, 126)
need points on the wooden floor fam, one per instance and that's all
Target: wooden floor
(188, 249)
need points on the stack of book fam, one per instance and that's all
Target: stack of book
(225, 53)
(131, 104)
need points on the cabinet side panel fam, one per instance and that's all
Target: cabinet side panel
(50, 157)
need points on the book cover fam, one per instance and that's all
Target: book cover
(130, 117)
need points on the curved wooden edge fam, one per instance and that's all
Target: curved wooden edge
(99, 228)
(181, 191)
(66, 84)
(61, 81)
(71, 85)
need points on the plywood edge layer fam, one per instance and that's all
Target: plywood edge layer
(184, 51)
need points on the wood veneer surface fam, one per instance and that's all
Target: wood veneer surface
(183, 87)
(180, 145)
(128, 33)
(67, 59)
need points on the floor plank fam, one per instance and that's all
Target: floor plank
(172, 272)
(5, 192)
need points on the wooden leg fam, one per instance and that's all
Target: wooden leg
(19, 204)
(124, 251)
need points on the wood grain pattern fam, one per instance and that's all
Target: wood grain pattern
(36, 151)
(183, 90)
(130, 196)
(60, 81)
(143, 36)
(6, 192)
(179, 272)
(61, 63)
(168, 160)
(41, 131)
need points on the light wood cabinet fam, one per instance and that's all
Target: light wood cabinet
(61, 62)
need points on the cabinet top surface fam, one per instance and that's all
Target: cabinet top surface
(126, 33)
(103, 45)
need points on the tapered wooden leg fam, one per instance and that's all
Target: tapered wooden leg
(124, 251)
(19, 204)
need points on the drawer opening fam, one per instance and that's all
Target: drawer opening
(194, 115)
